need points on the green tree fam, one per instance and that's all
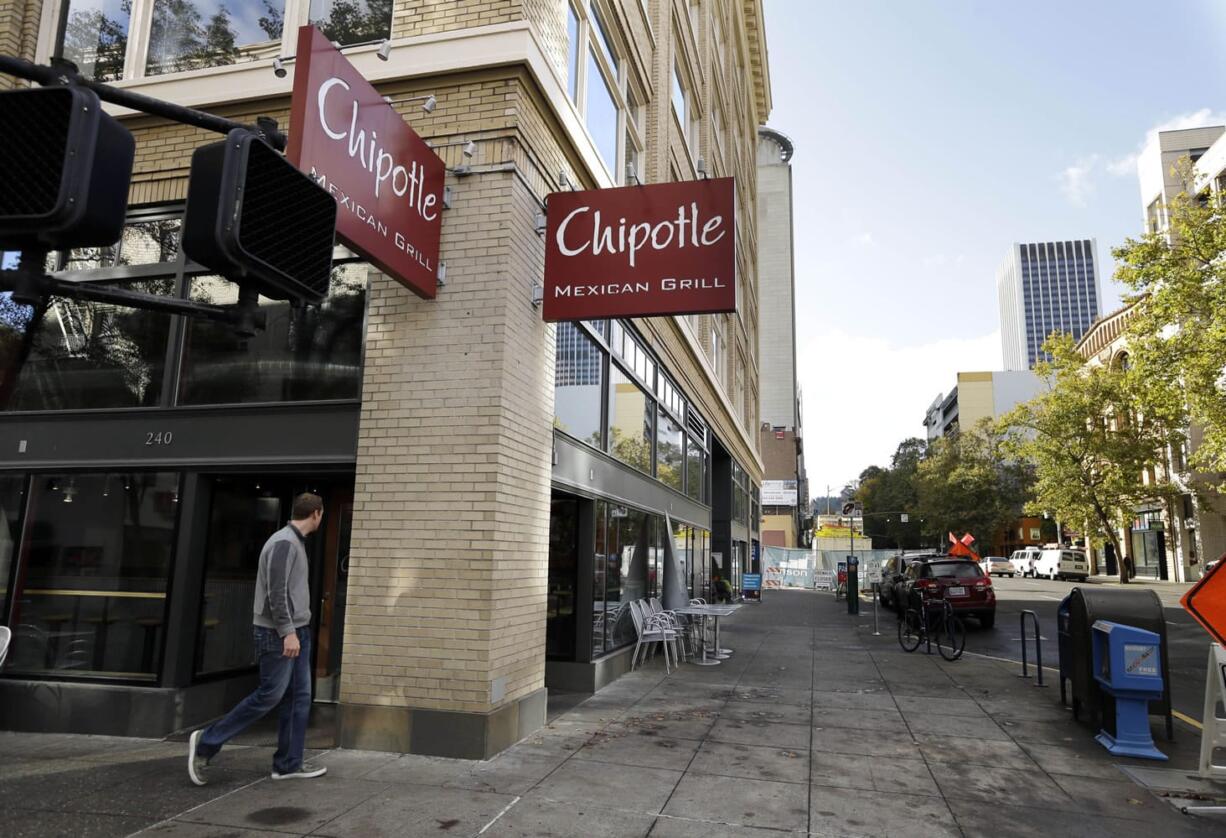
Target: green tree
(886, 492)
(969, 482)
(1093, 438)
(1177, 335)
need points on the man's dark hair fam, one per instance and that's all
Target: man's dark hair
(305, 505)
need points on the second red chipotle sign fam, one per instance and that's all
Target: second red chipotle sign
(641, 251)
(387, 182)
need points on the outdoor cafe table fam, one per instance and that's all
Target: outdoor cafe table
(715, 612)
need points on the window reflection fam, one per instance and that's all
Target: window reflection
(353, 21)
(191, 34)
(304, 354)
(695, 473)
(12, 502)
(97, 552)
(670, 451)
(73, 354)
(578, 379)
(96, 37)
(142, 243)
(630, 415)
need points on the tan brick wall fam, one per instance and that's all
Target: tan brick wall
(19, 21)
(426, 17)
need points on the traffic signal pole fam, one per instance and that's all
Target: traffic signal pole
(65, 72)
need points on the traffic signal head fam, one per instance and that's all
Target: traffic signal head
(64, 170)
(253, 217)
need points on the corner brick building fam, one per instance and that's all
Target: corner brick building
(496, 488)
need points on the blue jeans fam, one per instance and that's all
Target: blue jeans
(285, 683)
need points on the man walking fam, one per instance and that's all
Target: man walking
(283, 649)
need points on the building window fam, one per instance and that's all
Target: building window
(599, 88)
(572, 48)
(352, 21)
(183, 35)
(630, 421)
(95, 37)
(578, 385)
(193, 34)
(96, 554)
(626, 570)
(304, 354)
(75, 354)
(670, 451)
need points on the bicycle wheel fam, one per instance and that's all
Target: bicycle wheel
(909, 630)
(951, 637)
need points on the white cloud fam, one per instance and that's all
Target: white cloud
(1126, 165)
(1077, 181)
(864, 395)
(864, 239)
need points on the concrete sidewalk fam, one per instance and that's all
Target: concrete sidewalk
(813, 726)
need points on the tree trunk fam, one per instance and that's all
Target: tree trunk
(1113, 536)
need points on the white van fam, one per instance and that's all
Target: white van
(1062, 564)
(1023, 561)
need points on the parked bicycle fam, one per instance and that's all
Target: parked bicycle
(917, 626)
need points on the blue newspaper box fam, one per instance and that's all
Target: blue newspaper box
(1128, 665)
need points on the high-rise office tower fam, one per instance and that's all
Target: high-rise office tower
(1045, 287)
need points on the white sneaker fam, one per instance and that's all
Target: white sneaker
(306, 771)
(196, 766)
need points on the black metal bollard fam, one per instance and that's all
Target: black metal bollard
(853, 585)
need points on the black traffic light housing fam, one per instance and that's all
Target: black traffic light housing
(64, 170)
(257, 220)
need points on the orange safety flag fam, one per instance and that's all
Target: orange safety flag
(968, 539)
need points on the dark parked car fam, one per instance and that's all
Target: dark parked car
(960, 582)
(892, 572)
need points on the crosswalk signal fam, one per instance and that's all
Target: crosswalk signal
(257, 220)
(64, 170)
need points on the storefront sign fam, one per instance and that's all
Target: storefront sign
(387, 182)
(778, 492)
(641, 251)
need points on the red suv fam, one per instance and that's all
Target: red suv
(960, 582)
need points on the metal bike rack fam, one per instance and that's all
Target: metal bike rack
(1038, 647)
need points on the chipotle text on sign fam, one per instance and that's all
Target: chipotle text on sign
(641, 251)
(387, 182)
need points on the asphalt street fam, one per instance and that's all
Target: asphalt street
(1187, 642)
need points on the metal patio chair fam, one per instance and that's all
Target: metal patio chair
(651, 628)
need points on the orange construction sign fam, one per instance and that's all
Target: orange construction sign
(1206, 602)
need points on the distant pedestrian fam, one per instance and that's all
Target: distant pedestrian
(282, 618)
(723, 589)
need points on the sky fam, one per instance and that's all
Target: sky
(929, 136)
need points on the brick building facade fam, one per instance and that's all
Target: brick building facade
(478, 494)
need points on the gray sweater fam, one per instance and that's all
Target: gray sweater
(282, 597)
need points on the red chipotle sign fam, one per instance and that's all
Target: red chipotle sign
(641, 251)
(387, 182)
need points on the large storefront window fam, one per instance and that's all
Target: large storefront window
(91, 591)
(630, 415)
(12, 503)
(578, 385)
(193, 34)
(625, 542)
(304, 353)
(96, 37)
(74, 354)
(692, 548)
